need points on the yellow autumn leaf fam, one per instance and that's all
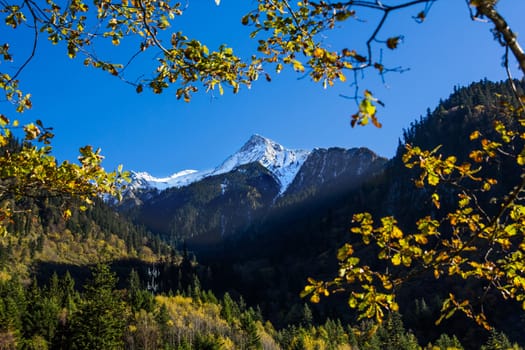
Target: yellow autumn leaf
(396, 260)
(315, 298)
(67, 214)
(318, 52)
(396, 233)
(298, 66)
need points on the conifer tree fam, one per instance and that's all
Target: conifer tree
(253, 339)
(41, 314)
(445, 342)
(497, 341)
(307, 318)
(139, 298)
(162, 317)
(100, 320)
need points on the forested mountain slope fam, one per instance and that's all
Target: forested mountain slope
(270, 262)
(39, 233)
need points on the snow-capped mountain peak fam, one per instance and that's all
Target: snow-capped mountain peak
(283, 163)
(257, 141)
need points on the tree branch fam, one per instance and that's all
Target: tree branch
(486, 8)
(35, 42)
(150, 32)
(511, 80)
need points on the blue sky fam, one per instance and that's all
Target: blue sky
(162, 135)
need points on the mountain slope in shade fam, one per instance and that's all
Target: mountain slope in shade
(282, 163)
(250, 187)
(209, 209)
(339, 166)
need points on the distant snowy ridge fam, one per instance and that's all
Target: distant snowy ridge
(180, 179)
(283, 164)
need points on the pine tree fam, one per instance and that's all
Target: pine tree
(497, 341)
(392, 335)
(308, 317)
(162, 317)
(100, 321)
(253, 339)
(41, 314)
(69, 294)
(138, 297)
(12, 306)
(69, 302)
(444, 342)
(229, 309)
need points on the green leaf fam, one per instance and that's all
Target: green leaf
(511, 230)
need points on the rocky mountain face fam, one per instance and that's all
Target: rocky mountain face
(209, 209)
(206, 206)
(335, 167)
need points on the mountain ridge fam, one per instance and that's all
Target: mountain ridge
(246, 188)
(283, 163)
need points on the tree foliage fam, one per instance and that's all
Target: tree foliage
(479, 237)
(100, 320)
(30, 171)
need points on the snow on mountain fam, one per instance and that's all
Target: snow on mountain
(283, 163)
(180, 179)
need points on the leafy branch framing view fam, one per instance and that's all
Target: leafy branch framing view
(288, 35)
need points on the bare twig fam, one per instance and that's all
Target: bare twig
(511, 80)
(386, 12)
(35, 42)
